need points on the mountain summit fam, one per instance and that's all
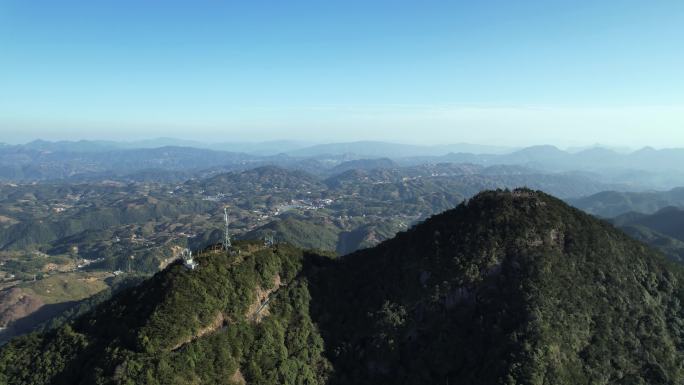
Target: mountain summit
(507, 288)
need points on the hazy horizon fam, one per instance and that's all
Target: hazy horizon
(152, 142)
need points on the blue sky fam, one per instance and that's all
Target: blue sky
(497, 72)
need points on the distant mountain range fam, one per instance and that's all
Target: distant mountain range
(26, 163)
(366, 149)
(371, 149)
(595, 159)
(256, 148)
(639, 170)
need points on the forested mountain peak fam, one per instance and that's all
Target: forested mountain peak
(509, 287)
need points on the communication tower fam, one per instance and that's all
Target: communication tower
(188, 261)
(226, 236)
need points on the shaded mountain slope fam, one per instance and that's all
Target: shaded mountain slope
(613, 203)
(512, 288)
(673, 248)
(663, 230)
(668, 221)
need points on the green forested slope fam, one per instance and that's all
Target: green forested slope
(184, 327)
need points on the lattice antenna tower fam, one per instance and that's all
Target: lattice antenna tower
(226, 236)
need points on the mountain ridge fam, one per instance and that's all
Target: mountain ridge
(510, 287)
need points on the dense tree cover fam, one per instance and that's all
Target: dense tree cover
(673, 248)
(508, 288)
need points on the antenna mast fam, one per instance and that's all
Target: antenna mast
(226, 237)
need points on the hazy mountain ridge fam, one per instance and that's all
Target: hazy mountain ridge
(376, 149)
(40, 160)
(86, 160)
(257, 148)
(30, 164)
(668, 220)
(613, 203)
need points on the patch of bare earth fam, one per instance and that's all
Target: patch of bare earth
(216, 324)
(259, 308)
(256, 312)
(237, 378)
(15, 304)
(175, 255)
(52, 267)
(7, 220)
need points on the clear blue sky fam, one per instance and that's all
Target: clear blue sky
(501, 72)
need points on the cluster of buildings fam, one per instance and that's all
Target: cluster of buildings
(304, 204)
